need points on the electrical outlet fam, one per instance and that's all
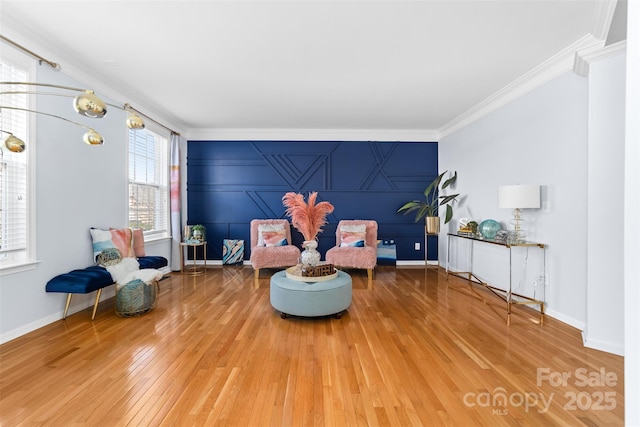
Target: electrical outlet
(416, 246)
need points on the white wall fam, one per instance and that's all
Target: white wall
(77, 187)
(605, 194)
(540, 138)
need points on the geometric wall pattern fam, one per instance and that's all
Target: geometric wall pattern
(229, 183)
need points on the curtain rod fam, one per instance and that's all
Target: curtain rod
(53, 65)
(128, 106)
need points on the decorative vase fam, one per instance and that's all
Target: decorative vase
(310, 256)
(186, 233)
(432, 224)
(489, 228)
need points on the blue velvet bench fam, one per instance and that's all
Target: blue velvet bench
(94, 278)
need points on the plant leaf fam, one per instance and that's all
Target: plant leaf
(449, 214)
(433, 186)
(409, 206)
(422, 213)
(451, 180)
(447, 199)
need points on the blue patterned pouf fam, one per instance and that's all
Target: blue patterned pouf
(136, 298)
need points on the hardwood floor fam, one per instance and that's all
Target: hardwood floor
(414, 350)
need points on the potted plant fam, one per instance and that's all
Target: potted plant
(199, 232)
(429, 207)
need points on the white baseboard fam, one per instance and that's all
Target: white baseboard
(565, 319)
(25, 329)
(108, 292)
(606, 346)
(415, 262)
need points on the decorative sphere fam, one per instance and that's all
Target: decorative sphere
(489, 228)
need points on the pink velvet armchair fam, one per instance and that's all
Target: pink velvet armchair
(349, 252)
(274, 251)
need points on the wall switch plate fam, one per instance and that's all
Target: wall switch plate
(416, 246)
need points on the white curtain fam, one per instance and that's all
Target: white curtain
(176, 203)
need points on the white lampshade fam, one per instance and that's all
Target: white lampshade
(519, 196)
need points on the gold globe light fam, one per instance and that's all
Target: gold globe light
(135, 122)
(93, 138)
(13, 143)
(89, 105)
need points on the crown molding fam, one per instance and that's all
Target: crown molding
(602, 18)
(589, 55)
(382, 135)
(553, 67)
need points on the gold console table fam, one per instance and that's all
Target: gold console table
(505, 294)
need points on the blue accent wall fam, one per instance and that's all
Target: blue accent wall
(229, 183)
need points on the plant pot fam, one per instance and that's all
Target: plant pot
(432, 224)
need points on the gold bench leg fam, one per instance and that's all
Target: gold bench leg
(95, 306)
(256, 275)
(66, 306)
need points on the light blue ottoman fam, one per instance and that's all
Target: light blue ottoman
(292, 297)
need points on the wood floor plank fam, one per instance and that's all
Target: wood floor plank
(417, 348)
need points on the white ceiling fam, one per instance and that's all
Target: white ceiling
(389, 65)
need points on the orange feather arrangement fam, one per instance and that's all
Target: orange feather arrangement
(307, 218)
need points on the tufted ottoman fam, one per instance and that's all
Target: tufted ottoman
(292, 297)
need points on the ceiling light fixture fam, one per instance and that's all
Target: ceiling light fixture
(91, 137)
(134, 121)
(13, 143)
(87, 104)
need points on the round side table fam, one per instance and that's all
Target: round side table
(297, 298)
(192, 268)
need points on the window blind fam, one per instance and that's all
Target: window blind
(148, 182)
(14, 195)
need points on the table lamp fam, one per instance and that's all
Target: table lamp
(518, 197)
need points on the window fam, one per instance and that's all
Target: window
(148, 183)
(16, 237)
